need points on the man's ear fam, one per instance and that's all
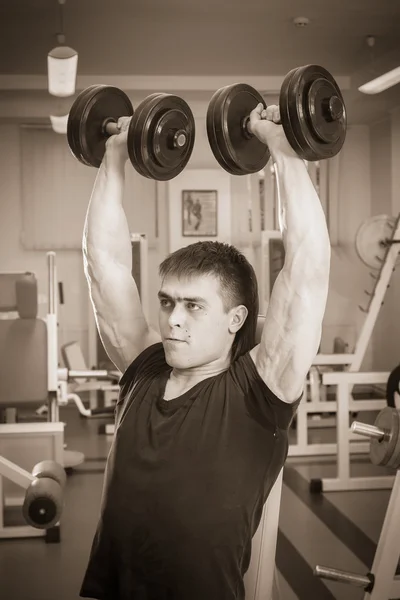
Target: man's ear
(238, 316)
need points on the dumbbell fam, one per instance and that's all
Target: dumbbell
(43, 500)
(384, 436)
(312, 113)
(160, 136)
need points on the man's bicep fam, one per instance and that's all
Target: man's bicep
(291, 333)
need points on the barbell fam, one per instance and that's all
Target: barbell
(160, 136)
(384, 437)
(312, 113)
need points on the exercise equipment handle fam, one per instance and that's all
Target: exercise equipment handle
(87, 374)
(370, 431)
(363, 581)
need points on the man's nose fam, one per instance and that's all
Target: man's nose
(177, 316)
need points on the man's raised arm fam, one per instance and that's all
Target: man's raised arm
(107, 257)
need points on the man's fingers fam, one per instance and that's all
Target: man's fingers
(271, 113)
(123, 123)
(255, 114)
(261, 113)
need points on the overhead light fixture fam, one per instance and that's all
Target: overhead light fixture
(59, 124)
(382, 82)
(301, 21)
(62, 64)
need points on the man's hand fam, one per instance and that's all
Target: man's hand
(117, 145)
(265, 125)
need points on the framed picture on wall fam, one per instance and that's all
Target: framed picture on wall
(199, 213)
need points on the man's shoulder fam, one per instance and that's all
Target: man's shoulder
(149, 361)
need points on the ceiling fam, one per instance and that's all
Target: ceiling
(210, 38)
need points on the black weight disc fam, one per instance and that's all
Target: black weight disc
(284, 112)
(135, 153)
(91, 110)
(313, 112)
(161, 136)
(237, 151)
(211, 124)
(73, 121)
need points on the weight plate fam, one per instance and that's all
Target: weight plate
(370, 237)
(284, 112)
(89, 113)
(133, 138)
(386, 452)
(236, 150)
(393, 388)
(213, 125)
(73, 121)
(313, 113)
(211, 121)
(161, 136)
(394, 459)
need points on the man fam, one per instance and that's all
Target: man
(196, 210)
(203, 415)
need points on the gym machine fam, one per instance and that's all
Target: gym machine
(24, 384)
(42, 503)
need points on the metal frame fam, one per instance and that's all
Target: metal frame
(345, 405)
(387, 583)
(382, 577)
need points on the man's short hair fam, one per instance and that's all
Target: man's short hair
(236, 276)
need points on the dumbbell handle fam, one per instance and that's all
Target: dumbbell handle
(370, 431)
(178, 140)
(364, 581)
(111, 127)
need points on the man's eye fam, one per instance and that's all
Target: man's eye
(193, 306)
(164, 302)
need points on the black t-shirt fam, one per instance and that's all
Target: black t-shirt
(185, 484)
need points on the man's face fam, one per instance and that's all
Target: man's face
(194, 327)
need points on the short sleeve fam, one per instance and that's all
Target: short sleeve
(147, 363)
(261, 401)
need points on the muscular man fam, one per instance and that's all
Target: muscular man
(203, 414)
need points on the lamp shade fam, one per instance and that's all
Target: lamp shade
(62, 65)
(59, 124)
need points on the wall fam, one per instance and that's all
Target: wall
(385, 185)
(348, 277)
(199, 179)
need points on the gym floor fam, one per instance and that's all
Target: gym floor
(337, 529)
